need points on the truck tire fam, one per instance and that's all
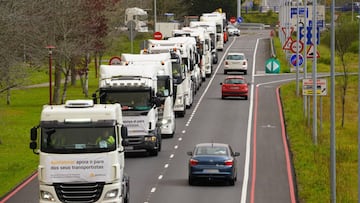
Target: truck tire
(127, 192)
(153, 152)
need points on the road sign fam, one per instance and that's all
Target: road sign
(272, 65)
(310, 34)
(287, 44)
(297, 45)
(294, 62)
(239, 20)
(301, 33)
(310, 52)
(158, 35)
(321, 87)
(115, 60)
(285, 29)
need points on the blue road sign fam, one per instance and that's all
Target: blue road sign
(293, 60)
(239, 20)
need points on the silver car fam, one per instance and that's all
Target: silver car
(235, 62)
(232, 30)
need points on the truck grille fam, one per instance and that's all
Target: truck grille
(135, 140)
(80, 192)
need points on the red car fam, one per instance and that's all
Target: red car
(234, 86)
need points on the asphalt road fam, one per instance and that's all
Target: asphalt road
(253, 127)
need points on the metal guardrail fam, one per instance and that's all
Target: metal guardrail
(259, 26)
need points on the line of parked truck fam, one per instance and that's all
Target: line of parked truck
(137, 102)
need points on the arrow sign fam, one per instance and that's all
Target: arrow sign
(272, 65)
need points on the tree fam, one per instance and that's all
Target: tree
(16, 53)
(197, 7)
(344, 33)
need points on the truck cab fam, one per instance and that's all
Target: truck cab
(135, 88)
(76, 156)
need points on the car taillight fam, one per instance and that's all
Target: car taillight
(244, 63)
(226, 63)
(193, 162)
(228, 163)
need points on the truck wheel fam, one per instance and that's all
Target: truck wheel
(159, 143)
(153, 152)
(127, 193)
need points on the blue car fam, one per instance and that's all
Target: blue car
(213, 161)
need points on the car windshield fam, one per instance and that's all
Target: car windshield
(234, 81)
(212, 150)
(235, 57)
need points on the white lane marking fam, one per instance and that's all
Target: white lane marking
(192, 115)
(210, 82)
(248, 134)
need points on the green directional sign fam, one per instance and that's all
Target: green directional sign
(272, 65)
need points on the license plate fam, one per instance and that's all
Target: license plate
(129, 147)
(211, 171)
(234, 88)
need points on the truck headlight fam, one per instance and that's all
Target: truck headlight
(45, 195)
(150, 139)
(111, 194)
(179, 100)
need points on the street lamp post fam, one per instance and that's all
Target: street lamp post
(358, 17)
(50, 48)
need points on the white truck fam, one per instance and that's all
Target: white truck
(191, 58)
(164, 86)
(166, 28)
(210, 27)
(219, 20)
(183, 88)
(139, 17)
(203, 46)
(73, 166)
(135, 88)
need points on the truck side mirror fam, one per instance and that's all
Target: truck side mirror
(33, 134)
(33, 145)
(124, 132)
(94, 98)
(156, 101)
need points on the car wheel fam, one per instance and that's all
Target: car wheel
(245, 72)
(246, 97)
(222, 97)
(191, 180)
(232, 181)
(225, 72)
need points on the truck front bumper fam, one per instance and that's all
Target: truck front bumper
(137, 143)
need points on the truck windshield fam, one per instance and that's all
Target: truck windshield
(78, 139)
(142, 17)
(136, 101)
(178, 73)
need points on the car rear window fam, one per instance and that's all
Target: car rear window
(234, 81)
(208, 150)
(235, 57)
